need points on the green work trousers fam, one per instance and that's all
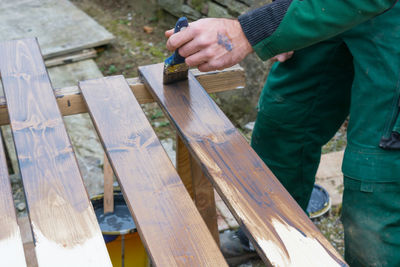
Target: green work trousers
(304, 102)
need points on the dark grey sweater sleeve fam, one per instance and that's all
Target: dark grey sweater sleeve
(260, 23)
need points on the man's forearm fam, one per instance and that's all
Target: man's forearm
(286, 25)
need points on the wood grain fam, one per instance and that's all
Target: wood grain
(169, 225)
(70, 100)
(11, 248)
(64, 225)
(280, 231)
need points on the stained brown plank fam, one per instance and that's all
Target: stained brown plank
(64, 225)
(169, 224)
(281, 232)
(11, 249)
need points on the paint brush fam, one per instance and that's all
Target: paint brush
(175, 68)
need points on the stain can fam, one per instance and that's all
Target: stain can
(320, 202)
(120, 234)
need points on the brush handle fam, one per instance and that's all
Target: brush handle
(181, 23)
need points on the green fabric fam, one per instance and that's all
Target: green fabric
(371, 219)
(308, 22)
(298, 115)
(304, 102)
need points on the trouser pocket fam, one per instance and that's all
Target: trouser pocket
(391, 137)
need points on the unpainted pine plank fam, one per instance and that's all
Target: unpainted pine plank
(280, 231)
(11, 248)
(64, 225)
(70, 100)
(169, 224)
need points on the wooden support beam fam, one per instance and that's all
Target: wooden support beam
(70, 101)
(183, 161)
(108, 173)
(197, 185)
(204, 198)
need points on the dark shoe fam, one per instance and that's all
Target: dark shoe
(236, 247)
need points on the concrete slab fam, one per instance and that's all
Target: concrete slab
(225, 218)
(330, 176)
(60, 27)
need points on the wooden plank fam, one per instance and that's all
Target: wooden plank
(11, 249)
(71, 58)
(65, 227)
(280, 231)
(60, 27)
(27, 240)
(108, 200)
(204, 198)
(169, 225)
(70, 100)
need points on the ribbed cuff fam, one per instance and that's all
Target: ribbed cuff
(262, 22)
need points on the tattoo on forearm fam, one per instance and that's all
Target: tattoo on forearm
(224, 41)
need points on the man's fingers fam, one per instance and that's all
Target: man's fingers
(179, 39)
(169, 33)
(196, 59)
(283, 57)
(191, 48)
(205, 67)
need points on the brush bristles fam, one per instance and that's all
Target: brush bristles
(175, 73)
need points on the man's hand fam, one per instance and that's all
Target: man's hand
(210, 44)
(282, 57)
